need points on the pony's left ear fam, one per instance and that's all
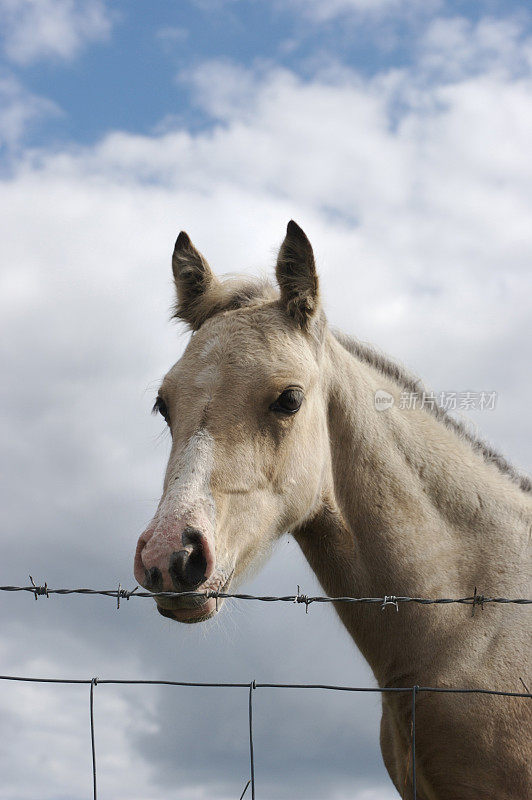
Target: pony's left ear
(297, 277)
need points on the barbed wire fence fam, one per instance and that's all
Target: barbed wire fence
(125, 594)
(119, 594)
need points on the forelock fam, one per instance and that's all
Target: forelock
(229, 295)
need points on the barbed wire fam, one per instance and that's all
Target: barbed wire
(388, 600)
(252, 686)
(120, 593)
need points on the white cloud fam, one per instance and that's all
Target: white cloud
(34, 29)
(172, 35)
(417, 196)
(19, 109)
(324, 10)
(455, 46)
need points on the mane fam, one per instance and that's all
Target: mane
(410, 383)
(237, 291)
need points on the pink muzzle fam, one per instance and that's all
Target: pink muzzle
(175, 554)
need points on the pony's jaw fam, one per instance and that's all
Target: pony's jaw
(190, 616)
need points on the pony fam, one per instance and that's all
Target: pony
(278, 425)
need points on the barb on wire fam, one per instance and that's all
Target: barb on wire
(390, 601)
(212, 593)
(120, 593)
(478, 600)
(37, 590)
(124, 593)
(302, 598)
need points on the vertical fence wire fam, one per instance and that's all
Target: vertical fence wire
(252, 687)
(245, 789)
(414, 786)
(94, 681)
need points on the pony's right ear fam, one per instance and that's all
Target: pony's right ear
(194, 282)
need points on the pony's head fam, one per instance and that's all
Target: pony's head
(246, 410)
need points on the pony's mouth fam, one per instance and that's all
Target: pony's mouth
(193, 609)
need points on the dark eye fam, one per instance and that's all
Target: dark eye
(159, 407)
(288, 401)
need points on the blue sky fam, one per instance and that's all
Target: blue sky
(127, 77)
(397, 133)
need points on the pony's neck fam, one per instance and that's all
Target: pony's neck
(409, 509)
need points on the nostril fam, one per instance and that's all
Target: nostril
(188, 568)
(154, 579)
(196, 567)
(191, 536)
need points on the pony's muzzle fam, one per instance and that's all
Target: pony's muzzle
(173, 561)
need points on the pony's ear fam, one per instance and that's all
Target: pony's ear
(194, 282)
(297, 277)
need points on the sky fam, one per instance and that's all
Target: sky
(397, 133)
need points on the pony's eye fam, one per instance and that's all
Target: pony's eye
(288, 401)
(160, 407)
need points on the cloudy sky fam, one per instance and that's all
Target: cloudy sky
(397, 133)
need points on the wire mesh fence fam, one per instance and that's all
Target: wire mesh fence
(251, 687)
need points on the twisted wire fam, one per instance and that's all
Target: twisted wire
(393, 600)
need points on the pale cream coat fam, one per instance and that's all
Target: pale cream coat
(398, 502)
